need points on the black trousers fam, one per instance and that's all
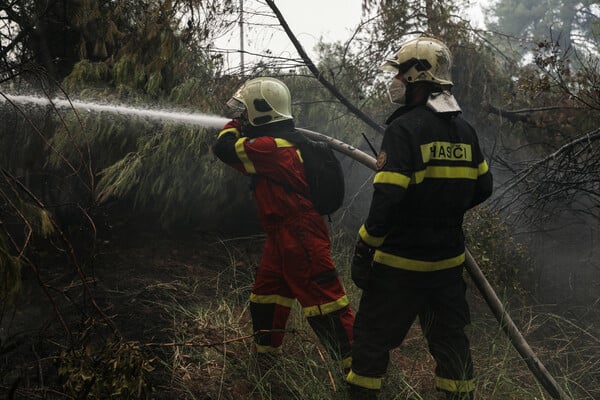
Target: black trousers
(387, 310)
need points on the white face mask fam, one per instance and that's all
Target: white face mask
(397, 91)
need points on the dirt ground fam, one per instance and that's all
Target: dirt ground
(144, 284)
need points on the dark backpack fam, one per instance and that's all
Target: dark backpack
(323, 172)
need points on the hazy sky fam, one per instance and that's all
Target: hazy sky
(333, 20)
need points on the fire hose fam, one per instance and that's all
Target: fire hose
(506, 323)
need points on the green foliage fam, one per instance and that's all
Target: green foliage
(34, 222)
(140, 55)
(37, 219)
(504, 260)
(87, 71)
(174, 174)
(101, 139)
(115, 370)
(149, 56)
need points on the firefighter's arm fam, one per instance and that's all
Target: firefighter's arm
(390, 184)
(225, 147)
(394, 171)
(484, 187)
(372, 234)
(485, 182)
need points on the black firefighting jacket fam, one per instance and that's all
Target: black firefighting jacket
(430, 171)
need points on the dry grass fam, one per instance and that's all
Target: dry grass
(185, 302)
(229, 370)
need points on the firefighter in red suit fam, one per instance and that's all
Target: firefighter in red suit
(296, 263)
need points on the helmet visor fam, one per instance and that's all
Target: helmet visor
(236, 107)
(389, 66)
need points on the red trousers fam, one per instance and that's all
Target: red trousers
(296, 265)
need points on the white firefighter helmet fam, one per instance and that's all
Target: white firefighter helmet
(267, 100)
(422, 59)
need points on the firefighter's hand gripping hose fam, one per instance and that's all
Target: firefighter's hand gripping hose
(361, 264)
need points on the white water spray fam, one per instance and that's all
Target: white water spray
(205, 120)
(199, 119)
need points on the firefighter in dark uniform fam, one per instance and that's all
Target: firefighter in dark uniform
(296, 263)
(410, 253)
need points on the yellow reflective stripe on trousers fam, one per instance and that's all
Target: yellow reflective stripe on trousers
(241, 152)
(267, 349)
(417, 265)
(392, 178)
(373, 241)
(272, 299)
(445, 173)
(451, 385)
(327, 308)
(345, 363)
(363, 381)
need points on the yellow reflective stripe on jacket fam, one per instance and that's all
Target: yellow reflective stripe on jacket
(373, 241)
(392, 178)
(232, 130)
(363, 381)
(327, 308)
(241, 153)
(451, 385)
(445, 173)
(417, 265)
(482, 168)
(283, 143)
(272, 299)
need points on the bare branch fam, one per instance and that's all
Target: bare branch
(311, 66)
(569, 174)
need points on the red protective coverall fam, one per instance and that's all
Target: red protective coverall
(296, 261)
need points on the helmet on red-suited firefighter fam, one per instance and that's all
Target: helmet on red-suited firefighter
(266, 100)
(423, 59)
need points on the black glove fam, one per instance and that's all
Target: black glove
(361, 264)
